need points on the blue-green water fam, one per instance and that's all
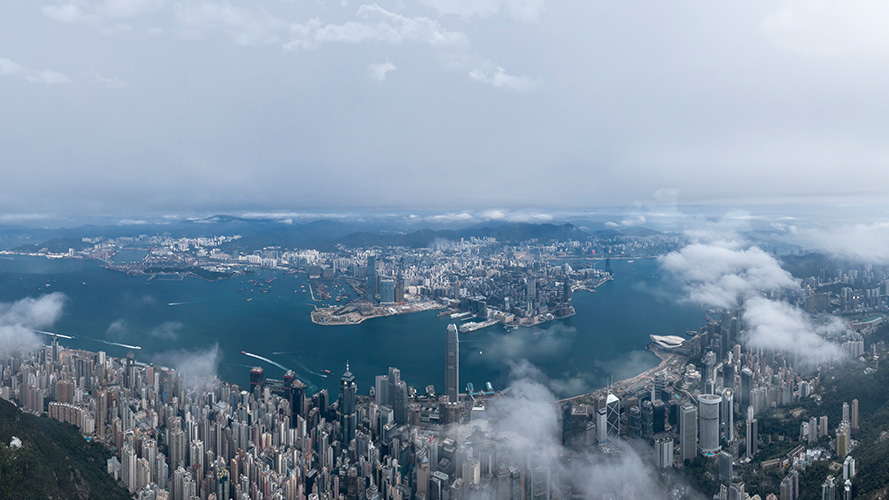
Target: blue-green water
(605, 338)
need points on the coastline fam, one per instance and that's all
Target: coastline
(668, 361)
(351, 314)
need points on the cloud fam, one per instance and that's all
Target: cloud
(829, 28)
(376, 25)
(167, 331)
(111, 83)
(197, 366)
(245, 26)
(8, 67)
(626, 365)
(117, 329)
(522, 429)
(378, 71)
(526, 343)
(725, 277)
(20, 318)
(718, 275)
(499, 78)
(528, 11)
(633, 221)
(773, 325)
(100, 13)
(860, 242)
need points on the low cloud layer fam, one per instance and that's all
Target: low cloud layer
(167, 331)
(525, 343)
(120, 329)
(197, 366)
(773, 325)
(718, 275)
(524, 430)
(8, 67)
(727, 277)
(859, 242)
(19, 319)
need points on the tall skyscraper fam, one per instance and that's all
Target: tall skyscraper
(726, 414)
(843, 433)
(612, 405)
(688, 431)
(387, 291)
(708, 408)
(348, 418)
(752, 437)
(452, 364)
(854, 416)
(371, 278)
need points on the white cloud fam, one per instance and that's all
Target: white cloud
(169, 330)
(104, 14)
(20, 318)
(773, 325)
(245, 26)
(377, 25)
(718, 275)
(378, 71)
(522, 427)
(111, 83)
(197, 366)
(829, 27)
(8, 67)
(521, 10)
(861, 242)
(499, 78)
(727, 277)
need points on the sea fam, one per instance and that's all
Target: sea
(198, 323)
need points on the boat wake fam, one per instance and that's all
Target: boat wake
(267, 360)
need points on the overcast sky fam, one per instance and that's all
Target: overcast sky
(163, 106)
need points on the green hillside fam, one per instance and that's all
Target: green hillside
(53, 462)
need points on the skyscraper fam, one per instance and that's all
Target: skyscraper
(663, 451)
(612, 405)
(452, 364)
(387, 291)
(708, 407)
(688, 431)
(371, 278)
(348, 418)
(843, 432)
(854, 416)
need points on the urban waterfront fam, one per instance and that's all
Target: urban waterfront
(605, 338)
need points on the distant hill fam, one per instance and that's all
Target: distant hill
(508, 233)
(54, 460)
(321, 234)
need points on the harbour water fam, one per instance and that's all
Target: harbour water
(169, 317)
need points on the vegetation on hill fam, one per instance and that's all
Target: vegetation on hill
(54, 460)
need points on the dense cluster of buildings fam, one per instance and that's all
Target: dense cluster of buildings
(181, 440)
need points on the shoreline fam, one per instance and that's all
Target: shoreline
(667, 360)
(350, 314)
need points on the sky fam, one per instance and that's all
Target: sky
(176, 106)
